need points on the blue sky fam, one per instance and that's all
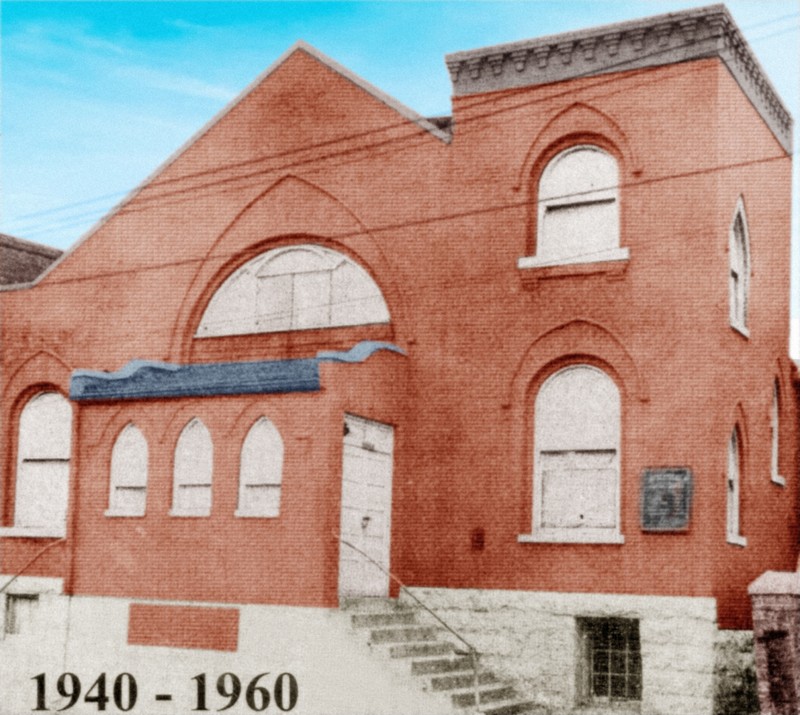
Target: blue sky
(96, 95)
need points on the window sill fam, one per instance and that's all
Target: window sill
(737, 540)
(253, 515)
(778, 480)
(742, 330)
(611, 264)
(190, 515)
(562, 537)
(122, 514)
(32, 532)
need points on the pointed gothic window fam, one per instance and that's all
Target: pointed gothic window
(128, 494)
(194, 463)
(260, 471)
(739, 281)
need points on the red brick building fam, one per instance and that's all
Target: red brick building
(553, 330)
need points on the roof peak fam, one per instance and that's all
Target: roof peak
(648, 42)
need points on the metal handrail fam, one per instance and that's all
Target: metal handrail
(473, 651)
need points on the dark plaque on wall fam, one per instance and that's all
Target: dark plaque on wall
(666, 498)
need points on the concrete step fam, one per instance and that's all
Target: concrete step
(461, 680)
(412, 650)
(403, 634)
(430, 666)
(513, 707)
(397, 617)
(465, 698)
(372, 605)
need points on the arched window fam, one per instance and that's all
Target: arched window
(775, 430)
(260, 471)
(128, 493)
(733, 521)
(576, 459)
(194, 465)
(294, 288)
(739, 250)
(578, 208)
(42, 487)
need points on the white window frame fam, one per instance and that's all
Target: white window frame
(733, 489)
(581, 198)
(298, 287)
(550, 534)
(775, 433)
(55, 452)
(193, 469)
(128, 473)
(739, 260)
(260, 470)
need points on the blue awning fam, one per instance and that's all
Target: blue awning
(142, 379)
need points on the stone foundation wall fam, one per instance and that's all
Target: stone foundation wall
(533, 638)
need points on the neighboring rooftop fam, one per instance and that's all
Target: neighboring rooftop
(649, 42)
(22, 261)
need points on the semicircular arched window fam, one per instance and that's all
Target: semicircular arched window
(294, 288)
(578, 209)
(43, 464)
(576, 458)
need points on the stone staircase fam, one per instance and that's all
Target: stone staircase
(433, 657)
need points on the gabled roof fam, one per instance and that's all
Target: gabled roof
(22, 261)
(660, 40)
(437, 127)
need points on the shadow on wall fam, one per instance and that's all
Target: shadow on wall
(735, 684)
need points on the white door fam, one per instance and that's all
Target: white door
(366, 508)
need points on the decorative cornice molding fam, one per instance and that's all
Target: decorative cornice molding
(661, 40)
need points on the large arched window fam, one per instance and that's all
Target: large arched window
(733, 517)
(193, 469)
(294, 288)
(578, 208)
(42, 486)
(128, 492)
(576, 459)
(739, 279)
(260, 471)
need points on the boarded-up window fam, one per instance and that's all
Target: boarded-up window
(128, 495)
(578, 212)
(294, 288)
(194, 464)
(576, 460)
(260, 471)
(739, 250)
(42, 487)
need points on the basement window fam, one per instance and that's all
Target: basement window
(610, 670)
(20, 608)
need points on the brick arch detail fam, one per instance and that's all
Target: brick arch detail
(291, 211)
(578, 123)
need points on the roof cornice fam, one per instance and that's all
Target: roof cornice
(649, 42)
